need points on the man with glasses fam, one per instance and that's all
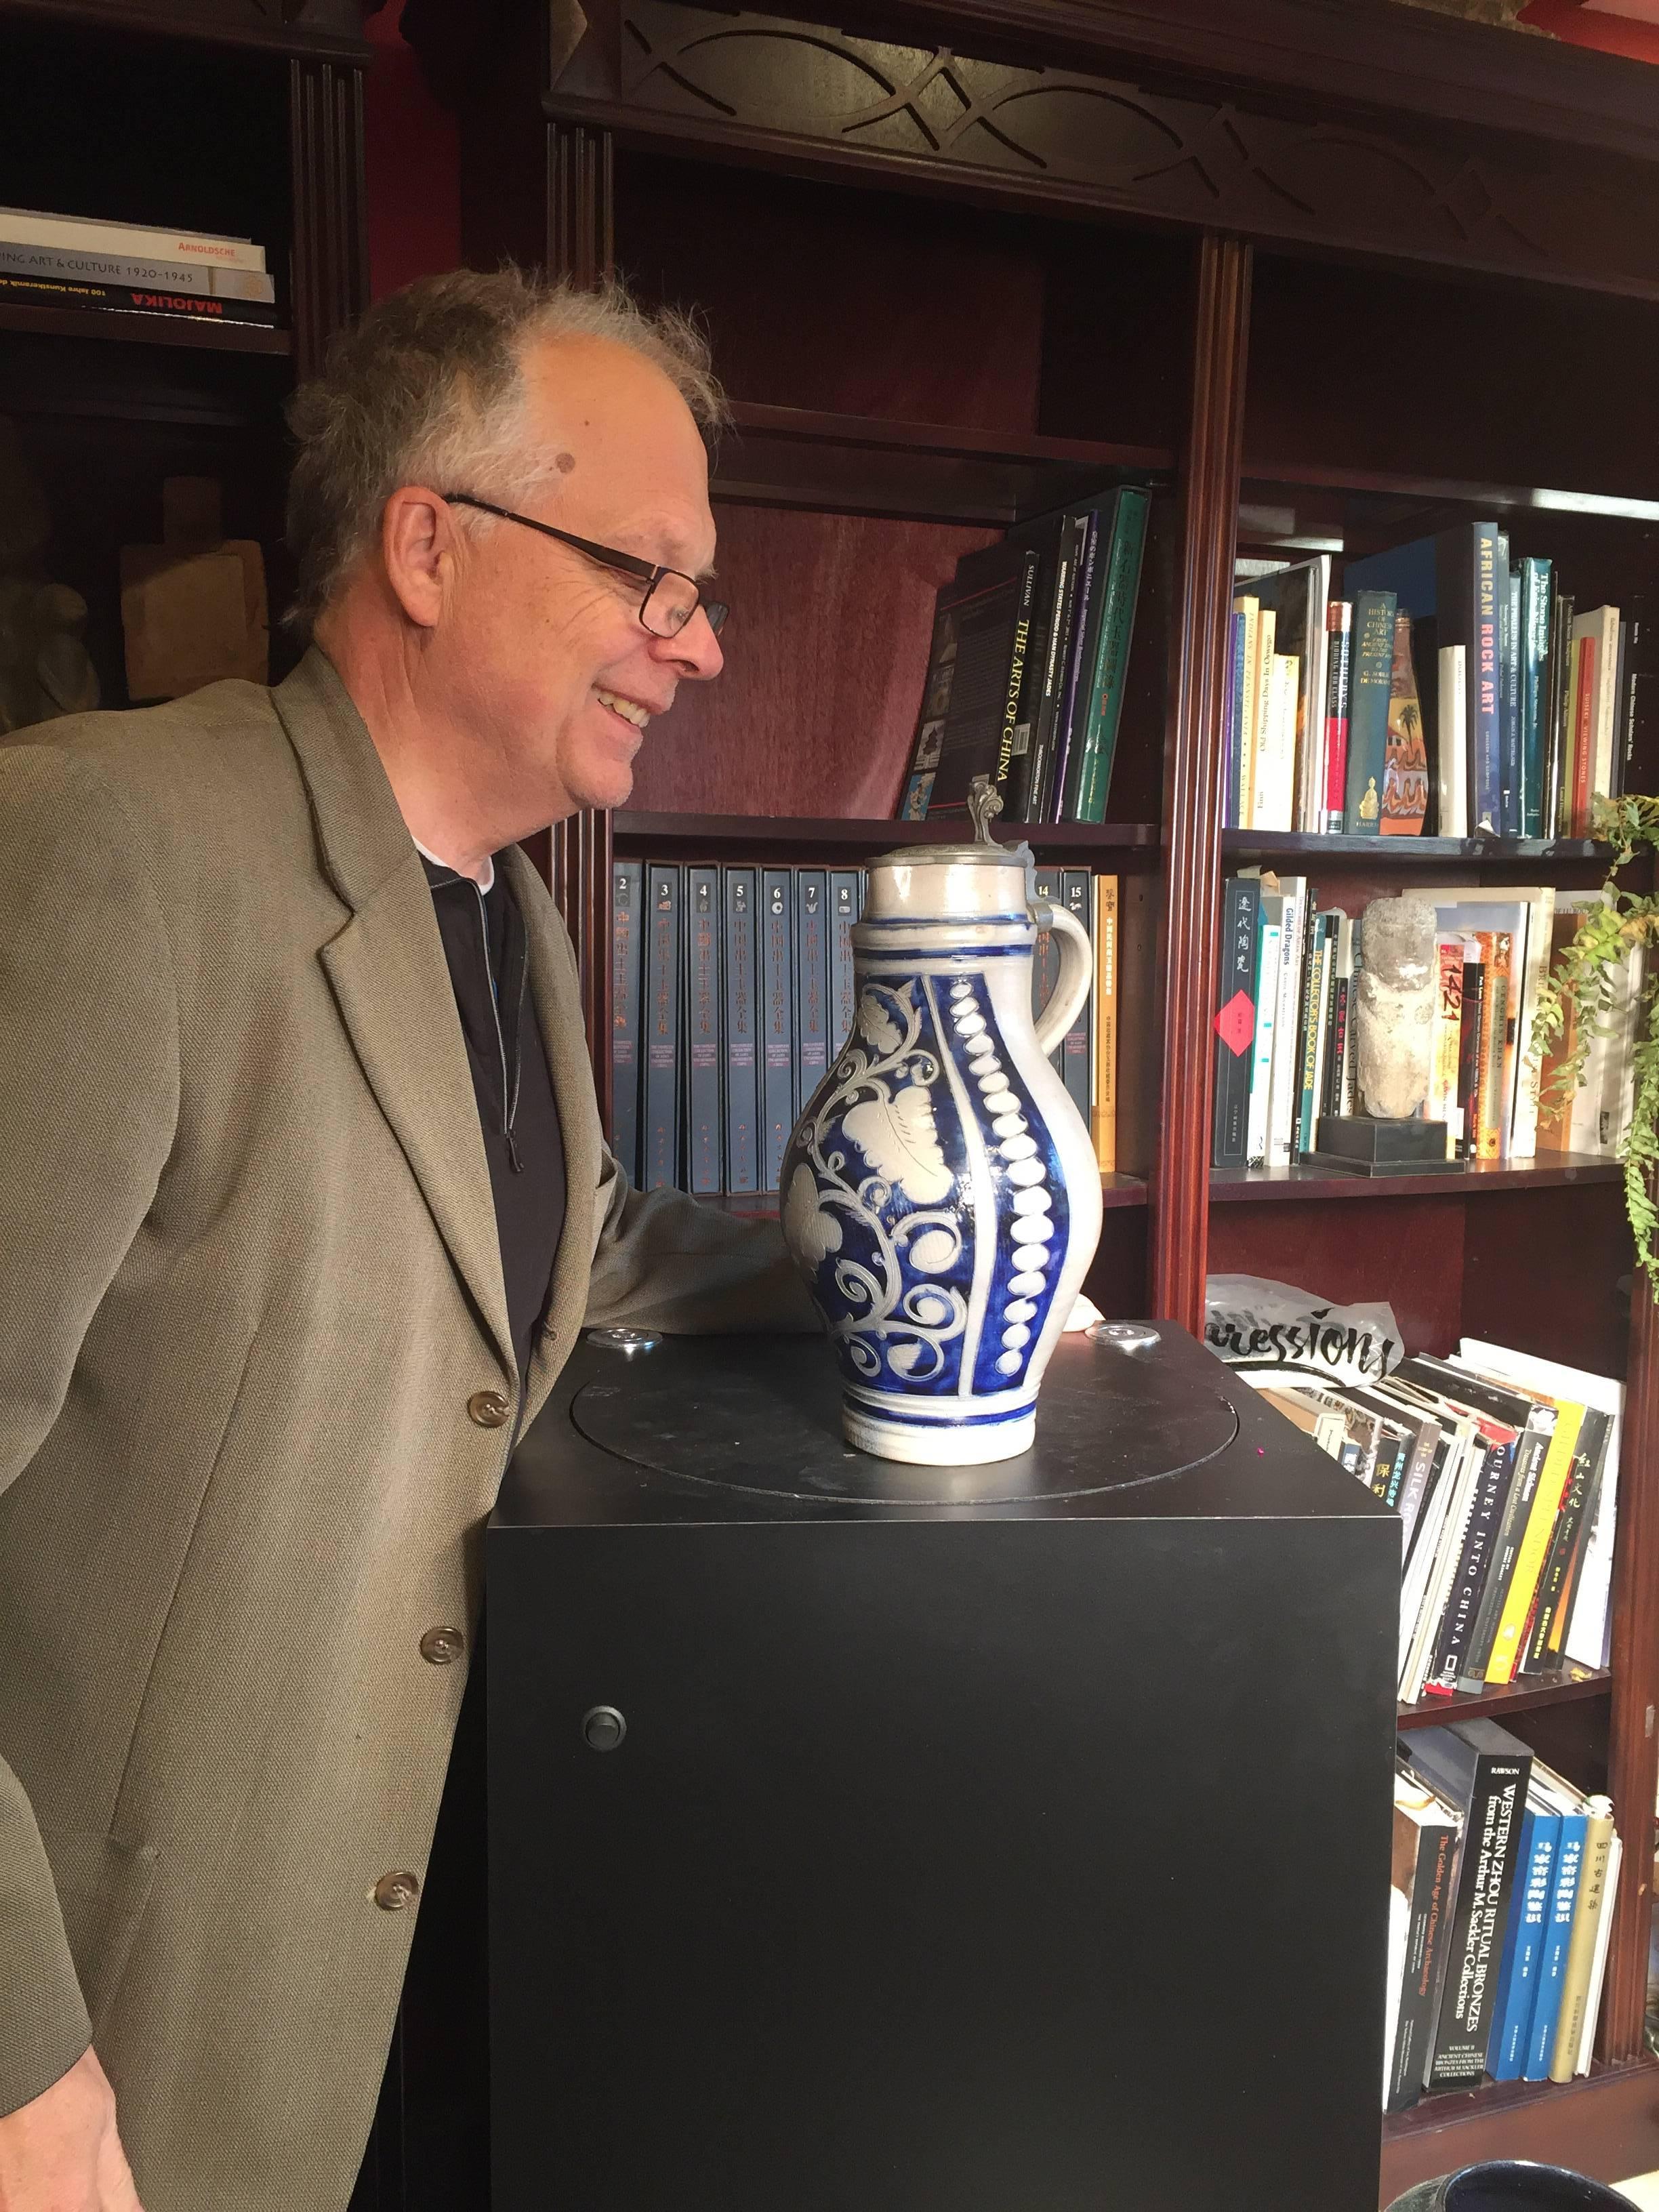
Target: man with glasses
(305, 1203)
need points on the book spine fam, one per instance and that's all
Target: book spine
(705, 1131)
(78, 234)
(1339, 681)
(1586, 677)
(1312, 1051)
(1543, 1515)
(1077, 1046)
(742, 1071)
(1480, 1920)
(1491, 1118)
(1019, 690)
(1452, 767)
(1425, 1961)
(627, 979)
(660, 1132)
(49, 261)
(777, 1012)
(1536, 608)
(1517, 1980)
(1541, 1633)
(1581, 1949)
(1479, 1537)
(1484, 720)
(1117, 617)
(1553, 1952)
(1471, 1021)
(1531, 1456)
(1247, 610)
(133, 299)
(1509, 586)
(1104, 1115)
(1560, 692)
(1268, 964)
(1074, 696)
(1368, 721)
(1235, 1020)
(1057, 659)
(845, 902)
(811, 982)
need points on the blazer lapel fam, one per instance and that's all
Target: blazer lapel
(390, 979)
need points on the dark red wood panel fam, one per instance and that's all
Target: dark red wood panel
(1410, 1254)
(1634, 1753)
(825, 653)
(1606, 2126)
(1548, 1271)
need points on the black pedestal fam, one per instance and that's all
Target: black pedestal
(1007, 1839)
(1356, 1143)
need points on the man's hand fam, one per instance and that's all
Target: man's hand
(61, 2152)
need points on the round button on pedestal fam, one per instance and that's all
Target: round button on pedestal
(489, 1409)
(603, 1728)
(442, 1646)
(394, 1892)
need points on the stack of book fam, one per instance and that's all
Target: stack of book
(1029, 660)
(1504, 1469)
(1500, 1915)
(1447, 688)
(1283, 1051)
(132, 269)
(734, 993)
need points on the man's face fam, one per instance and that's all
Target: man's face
(546, 661)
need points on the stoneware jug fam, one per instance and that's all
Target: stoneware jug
(940, 1192)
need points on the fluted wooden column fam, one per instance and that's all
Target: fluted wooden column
(1192, 782)
(331, 244)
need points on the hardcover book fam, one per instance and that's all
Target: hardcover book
(811, 982)
(846, 903)
(1406, 760)
(1235, 1020)
(627, 986)
(705, 1125)
(1368, 715)
(1077, 1046)
(741, 890)
(990, 609)
(1089, 775)
(661, 1115)
(777, 1016)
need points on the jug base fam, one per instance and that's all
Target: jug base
(937, 1445)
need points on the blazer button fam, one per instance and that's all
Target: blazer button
(393, 1891)
(442, 1647)
(489, 1409)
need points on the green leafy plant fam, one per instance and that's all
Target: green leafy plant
(1576, 998)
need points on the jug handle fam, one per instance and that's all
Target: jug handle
(1077, 973)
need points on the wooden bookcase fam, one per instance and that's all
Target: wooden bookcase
(1322, 272)
(217, 115)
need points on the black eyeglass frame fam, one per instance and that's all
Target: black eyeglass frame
(630, 564)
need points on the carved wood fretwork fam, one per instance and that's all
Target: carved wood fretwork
(324, 27)
(816, 96)
(331, 246)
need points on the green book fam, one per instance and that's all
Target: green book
(1091, 776)
(1368, 712)
(1535, 609)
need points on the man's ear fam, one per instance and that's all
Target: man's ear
(418, 544)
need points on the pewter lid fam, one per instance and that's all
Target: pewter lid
(984, 803)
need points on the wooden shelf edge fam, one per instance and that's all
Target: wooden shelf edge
(1605, 2125)
(1517, 1697)
(1435, 491)
(878, 434)
(634, 832)
(1403, 851)
(143, 330)
(1259, 1186)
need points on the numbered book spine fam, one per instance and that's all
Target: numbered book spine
(742, 1071)
(812, 982)
(777, 1014)
(1045, 956)
(1077, 1047)
(846, 903)
(705, 1126)
(627, 984)
(661, 1130)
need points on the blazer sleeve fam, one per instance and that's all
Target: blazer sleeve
(664, 1260)
(88, 1103)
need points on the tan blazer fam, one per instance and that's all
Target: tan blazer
(249, 1290)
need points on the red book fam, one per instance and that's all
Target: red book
(1339, 664)
(1584, 736)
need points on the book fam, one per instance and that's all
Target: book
(1472, 1022)
(1592, 1901)
(1509, 638)
(74, 234)
(1336, 1081)
(779, 1105)
(846, 903)
(1539, 2048)
(1300, 597)
(626, 989)
(1425, 1834)
(1247, 607)
(1031, 794)
(1286, 1071)
(1537, 601)
(1517, 1978)
(705, 1121)
(1045, 956)
(1543, 1631)
(1368, 713)
(1339, 649)
(1555, 733)
(1599, 1959)
(743, 1157)
(1311, 1056)
(132, 300)
(1089, 774)
(1596, 637)
(983, 655)
(811, 982)
(90, 266)
(1235, 1019)
(1404, 760)
(1270, 924)
(659, 1112)
(1077, 895)
(1103, 1111)
(1471, 1765)
(1441, 1104)
(1452, 757)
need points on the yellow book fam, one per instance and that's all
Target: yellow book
(1244, 733)
(1104, 1117)
(1592, 1901)
(1534, 1541)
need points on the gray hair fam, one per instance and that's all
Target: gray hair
(427, 388)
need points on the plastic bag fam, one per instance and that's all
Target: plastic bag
(1251, 1322)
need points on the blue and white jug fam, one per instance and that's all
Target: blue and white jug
(941, 1191)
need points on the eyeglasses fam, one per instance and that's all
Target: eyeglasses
(670, 598)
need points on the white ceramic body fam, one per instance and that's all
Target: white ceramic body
(941, 1191)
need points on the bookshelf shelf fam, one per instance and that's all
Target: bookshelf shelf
(1402, 852)
(1605, 2125)
(1511, 1698)
(746, 836)
(1391, 497)
(1265, 1185)
(143, 330)
(796, 456)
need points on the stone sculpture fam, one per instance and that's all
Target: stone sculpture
(1394, 1004)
